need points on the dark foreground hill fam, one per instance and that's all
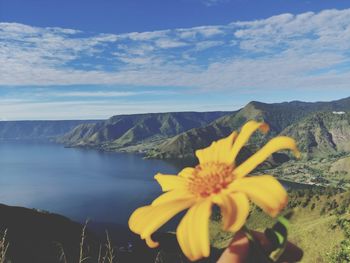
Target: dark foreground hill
(41, 237)
(35, 236)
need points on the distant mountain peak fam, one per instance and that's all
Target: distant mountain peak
(278, 115)
(130, 130)
(255, 103)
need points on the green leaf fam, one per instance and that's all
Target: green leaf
(278, 236)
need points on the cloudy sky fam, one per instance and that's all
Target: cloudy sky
(92, 59)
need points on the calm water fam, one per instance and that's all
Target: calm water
(77, 183)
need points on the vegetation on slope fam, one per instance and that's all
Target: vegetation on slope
(316, 226)
(129, 130)
(341, 166)
(322, 134)
(283, 118)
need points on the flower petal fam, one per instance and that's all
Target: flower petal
(178, 194)
(274, 145)
(186, 172)
(219, 151)
(234, 209)
(264, 190)
(146, 220)
(135, 221)
(247, 130)
(193, 231)
(206, 155)
(170, 182)
(162, 213)
(151, 243)
(224, 149)
(182, 236)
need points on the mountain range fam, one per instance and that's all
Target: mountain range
(322, 133)
(37, 130)
(123, 131)
(320, 128)
(288, 118)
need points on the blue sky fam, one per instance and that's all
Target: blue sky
(93, 59)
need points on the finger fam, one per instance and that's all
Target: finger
(237, 251)
(240, 248)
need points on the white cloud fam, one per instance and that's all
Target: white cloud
(207, 44)
(329, 29)
(97, 94)
(169, 43)
(16, 29)
(201, 31)
(209, 31)
(308, 50)
(140, 50)
(140, 60)
(144, 36)
(188, 34)
(86, 110)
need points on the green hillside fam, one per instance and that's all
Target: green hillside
(279, 116)
(341, 166)
(128, 130)
(322, 134)
(316, 226)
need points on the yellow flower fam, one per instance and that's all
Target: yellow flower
(215, 180)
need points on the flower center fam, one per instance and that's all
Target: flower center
(210, 178)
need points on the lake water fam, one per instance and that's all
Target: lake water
(77, 183)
